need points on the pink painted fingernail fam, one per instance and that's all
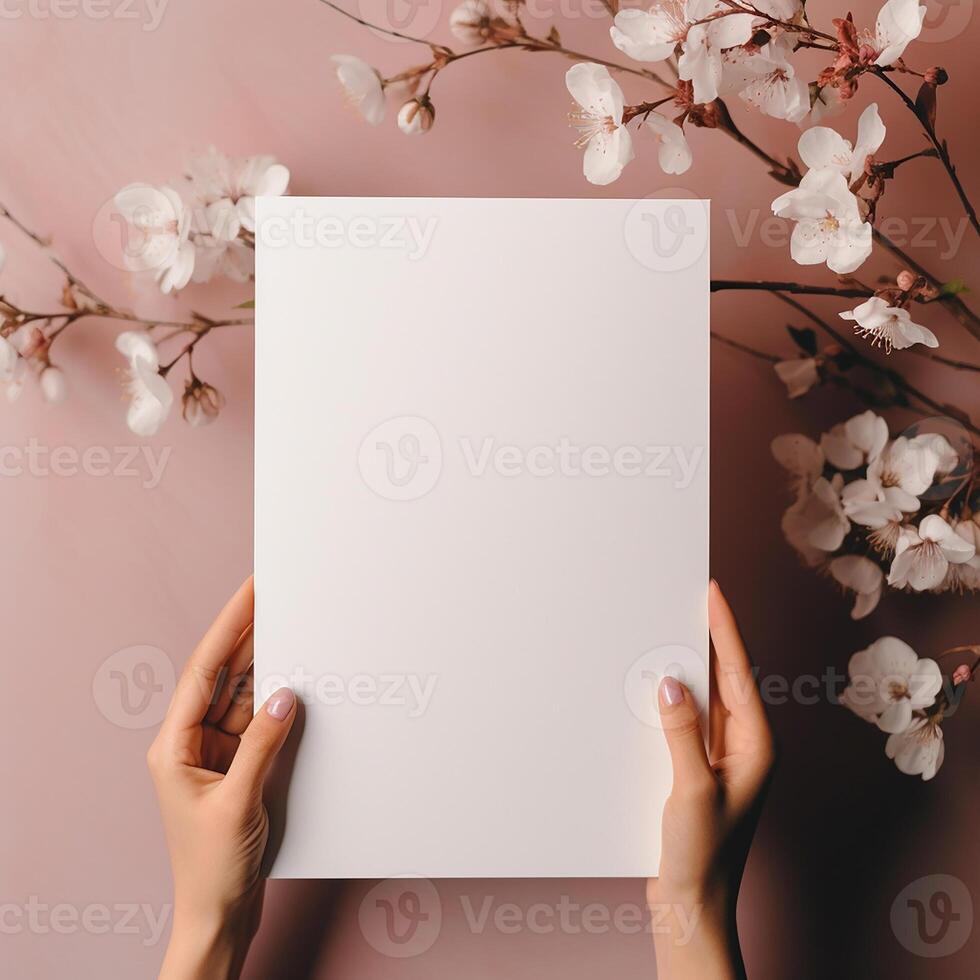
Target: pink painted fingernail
(281, 703)
(671, 691)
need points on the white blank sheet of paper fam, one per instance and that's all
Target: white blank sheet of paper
(481, 525)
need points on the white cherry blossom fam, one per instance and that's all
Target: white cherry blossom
(855, 442)
(364, 86)
(159, 226)
(150, 395)
(224, 190)
(829, 227)
(899, 23)
(54, 387)
(923, 556)
(862, 576)
(816, 523)
(888, 326)
(8, 359)
(825, 103)
(882, 510)
(965, 576)
(470, 22)
(650, 35)
(822, 147)
(674, 154)
(801, 457)
(908, 467)
(213, 257)
(888, 682)
(607, 142)
(701, 60)
(14, 386)
(799, 374)
(919, 750)
(768, 80)
(946, 456)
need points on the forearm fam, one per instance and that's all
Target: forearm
(695, 939)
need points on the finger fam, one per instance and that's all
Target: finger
(260, 743)
(231, 679)
(192, 698)
(733, 669)
(240, 710)
(679, 716)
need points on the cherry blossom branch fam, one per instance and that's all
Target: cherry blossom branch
(745, 348)
(789, 174)
(45, 246)
(963, 314)
(850, 292)
(101, 308)
(942, 150)
(786, 173)
(789, 26)
(895, 377)
(520, 39)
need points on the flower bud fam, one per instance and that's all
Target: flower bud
(416, 116)
(470, 22)
(53, 385)
(201, 402)
(905, 280)
(936, 76)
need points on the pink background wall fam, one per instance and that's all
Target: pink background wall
(94, 565)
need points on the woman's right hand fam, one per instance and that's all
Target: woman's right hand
(710, 816)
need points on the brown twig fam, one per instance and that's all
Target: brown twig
(860, 358)
(942, 151)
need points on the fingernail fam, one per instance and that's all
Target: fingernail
(671, 691)
(281, 703)
(715, 585)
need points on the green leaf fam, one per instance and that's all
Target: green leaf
(954, 287)
(249, 304)
(805, 339)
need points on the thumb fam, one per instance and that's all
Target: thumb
(679, 716)
(261, 742)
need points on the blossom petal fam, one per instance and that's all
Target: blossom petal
(896, 717)
(824, 147)
(606, 155)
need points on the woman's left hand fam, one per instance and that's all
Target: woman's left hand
(209, 763)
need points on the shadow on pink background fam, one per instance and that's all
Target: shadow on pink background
(97, 565)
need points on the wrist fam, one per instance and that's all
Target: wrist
(209, 944)
(694, 932)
